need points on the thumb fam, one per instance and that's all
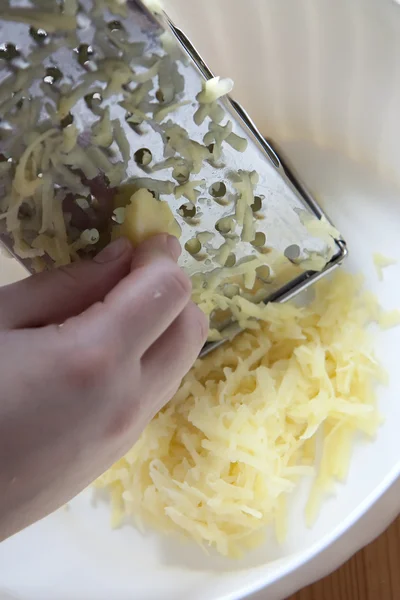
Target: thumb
(54, 296)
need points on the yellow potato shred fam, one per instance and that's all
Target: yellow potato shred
(218, 463)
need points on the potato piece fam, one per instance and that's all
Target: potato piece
(144, 217)
(124, 194)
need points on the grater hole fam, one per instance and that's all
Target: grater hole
(218, 189)
(225, 225)
(187, 211)
(231, 290)
(193, 246)
(115, 25)
(143, 157)
(257, 204)
(67, 121)
(292, 252)
(259, 239)
(9, 51)
(263, 273)
(53, 74)
(85, 53)
(38, 35)
(94, 100)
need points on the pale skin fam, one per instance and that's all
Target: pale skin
(74, 398)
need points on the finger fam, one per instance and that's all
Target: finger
(159, 399)
(143, 305)
(54, 296)
(159, 244)
(174, 353)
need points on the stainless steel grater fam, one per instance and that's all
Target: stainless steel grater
(52, 58)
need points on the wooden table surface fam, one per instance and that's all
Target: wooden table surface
(372, 574)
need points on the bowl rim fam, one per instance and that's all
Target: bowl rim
(301, 559)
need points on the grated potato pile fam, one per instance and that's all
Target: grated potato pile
(218, 462)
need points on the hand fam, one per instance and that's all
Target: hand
(74, 398)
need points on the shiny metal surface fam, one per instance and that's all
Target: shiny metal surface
(283, 196)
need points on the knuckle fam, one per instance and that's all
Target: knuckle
(176, 282)
(90, 365)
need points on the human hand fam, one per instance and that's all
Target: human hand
(75, 398)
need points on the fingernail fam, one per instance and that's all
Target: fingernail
(174, 247)
(113, 251)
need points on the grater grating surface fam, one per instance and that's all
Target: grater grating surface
(284, 200)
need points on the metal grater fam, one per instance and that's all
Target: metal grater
(104, 34)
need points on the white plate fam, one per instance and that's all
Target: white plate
(326, 85)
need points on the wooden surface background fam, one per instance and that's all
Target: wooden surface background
(372, 574)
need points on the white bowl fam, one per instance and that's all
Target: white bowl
(323, 79)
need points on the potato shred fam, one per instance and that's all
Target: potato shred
(218, 463)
